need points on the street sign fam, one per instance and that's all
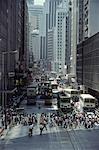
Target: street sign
(11, 74)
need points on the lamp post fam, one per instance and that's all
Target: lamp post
(3, 84)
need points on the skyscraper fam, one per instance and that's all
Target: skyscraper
(87, 24)
(11, 39)
(35, 44)
(52, 6)
(59, 51)
(74, 13)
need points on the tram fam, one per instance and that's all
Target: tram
(65, 102)
(31, 94)
(54, 85)
(74, 94)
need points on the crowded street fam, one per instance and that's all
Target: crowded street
(56, 135)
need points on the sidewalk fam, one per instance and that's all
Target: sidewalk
(3, 133)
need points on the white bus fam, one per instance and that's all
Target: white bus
(74, 94)
(65, 102)
(87, 101)
(31, 94)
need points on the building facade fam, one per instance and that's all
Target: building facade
(11, 42)
(73, 7)
(35, 45)
(52, 6)
(87, 24)
(35, 13)
(59, 51)
(88, 64)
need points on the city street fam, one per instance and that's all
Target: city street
(56, 138)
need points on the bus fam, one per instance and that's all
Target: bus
(88, 102)
(54, 85)
(74, 94)
(31, 94)
(65, 102)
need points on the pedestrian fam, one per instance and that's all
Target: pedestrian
(2, 121)
(41, 129)
(44, 124)
(30, 129)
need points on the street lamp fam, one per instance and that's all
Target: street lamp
(3, 84)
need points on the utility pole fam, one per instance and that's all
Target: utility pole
(3, 89)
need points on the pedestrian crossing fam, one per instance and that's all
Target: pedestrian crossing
(19, 130)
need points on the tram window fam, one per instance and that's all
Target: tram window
(74, 92)
(68, 100)
(86, 100)
(92, 100)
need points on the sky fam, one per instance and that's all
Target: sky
(39, 2)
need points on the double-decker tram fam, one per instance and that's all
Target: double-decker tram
(46, 84)
(46, 93)
(88, 102)
(31, 94)
(54, 85)
(74, 94)
(65, 102)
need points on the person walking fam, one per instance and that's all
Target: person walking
(30, 130)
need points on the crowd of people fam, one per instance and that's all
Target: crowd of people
(68, 121)
(76, 120)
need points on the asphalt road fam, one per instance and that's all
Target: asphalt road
(55, 138)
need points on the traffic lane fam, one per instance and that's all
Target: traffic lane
(87, 139)
(36, 109)
(48, 141)
(54, 138)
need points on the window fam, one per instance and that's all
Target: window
(86, 100)
(92, 100)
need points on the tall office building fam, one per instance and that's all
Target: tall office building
(43, 35)
(26, 37)
(74, 13)
(59, 51)
(35, 23)
(87, 48)
(11, 39)
(52, 6)
(91, 11)
(80, 31)
(67, 40)
(88, 25)
(50, 53)
(35, 45)
(35, 13)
